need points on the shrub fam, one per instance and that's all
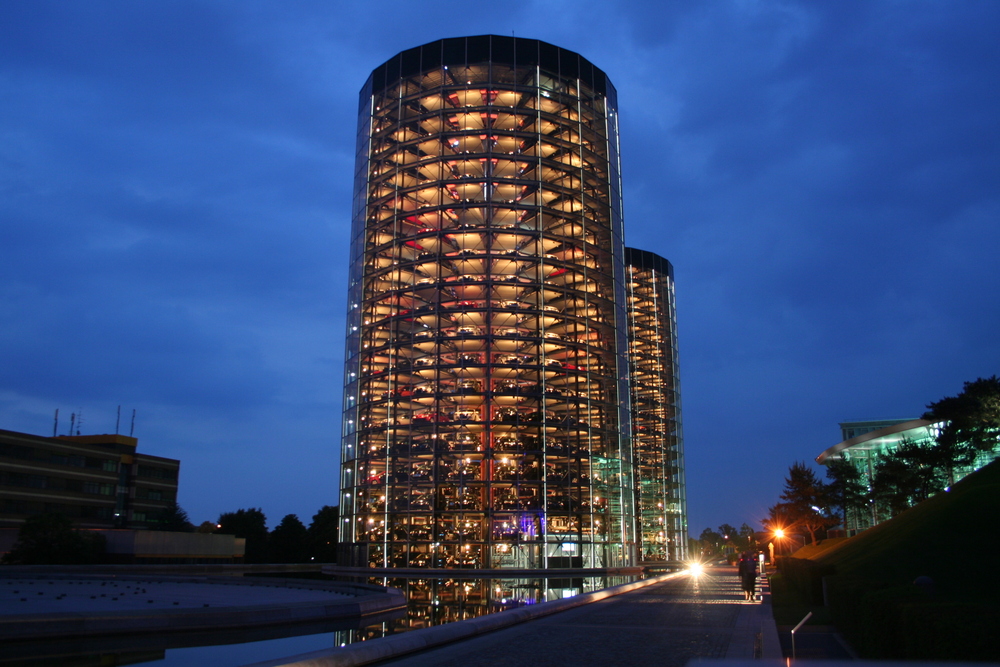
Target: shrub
(805, 576)
(50, 539)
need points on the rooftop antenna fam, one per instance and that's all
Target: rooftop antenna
(132, 430)
(79, 420)
(55, 426)
(118, 420)
(72, 421)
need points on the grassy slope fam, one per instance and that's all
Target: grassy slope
(954, 538)
(813, 551)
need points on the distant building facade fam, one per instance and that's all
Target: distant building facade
(99, 481)
(850, 430)
(866, 441)
(150, 547)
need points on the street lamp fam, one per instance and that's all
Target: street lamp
(780, 534)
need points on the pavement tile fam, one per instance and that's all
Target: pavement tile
(666, 624)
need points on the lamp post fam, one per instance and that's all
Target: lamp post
(779, 534)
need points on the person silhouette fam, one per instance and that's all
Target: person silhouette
(748, 575)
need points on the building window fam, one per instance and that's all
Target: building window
(23, 479)
(17, 452)
(67, 460)
(107, 465)
(157, 473)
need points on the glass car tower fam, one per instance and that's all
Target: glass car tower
(656, 408)
(487, 414)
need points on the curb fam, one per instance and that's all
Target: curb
(770, 642)
(417, 640)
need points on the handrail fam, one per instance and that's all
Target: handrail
(796, 628)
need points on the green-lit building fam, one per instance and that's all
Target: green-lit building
(866, 441)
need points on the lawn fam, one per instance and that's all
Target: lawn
(869, 580)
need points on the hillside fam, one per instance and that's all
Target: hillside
(813, 551)
(952, 538)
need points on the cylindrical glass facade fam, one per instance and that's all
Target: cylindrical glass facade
(486, 405)
(656, 408)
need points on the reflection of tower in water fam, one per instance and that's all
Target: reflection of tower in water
(438, 601)
(487, 420)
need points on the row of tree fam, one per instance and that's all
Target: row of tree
(899, 479)
(727, 540)
(290, 541)
(51, 538)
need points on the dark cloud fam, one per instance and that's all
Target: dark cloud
(175, 188)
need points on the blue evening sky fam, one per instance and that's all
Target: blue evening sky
(175, 193)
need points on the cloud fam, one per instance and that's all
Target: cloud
(175, 199)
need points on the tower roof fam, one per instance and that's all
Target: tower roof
(518, 51)
(645, 259)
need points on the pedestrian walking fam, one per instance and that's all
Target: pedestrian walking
(748, 575)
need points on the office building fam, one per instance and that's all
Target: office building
(99, 481)
(487, 405)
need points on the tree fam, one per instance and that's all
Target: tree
(778, 518)
(805, 497)
(711, 542)
(173, 518)
(971, 423)
(250, 524)
(891, 484)
(747, 540)
(729, 535)
(288, 541)
(846, 489)
(908, 475)
(323, 532)
(50, 539)
(781, 517)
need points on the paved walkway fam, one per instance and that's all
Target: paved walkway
(666, 623)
